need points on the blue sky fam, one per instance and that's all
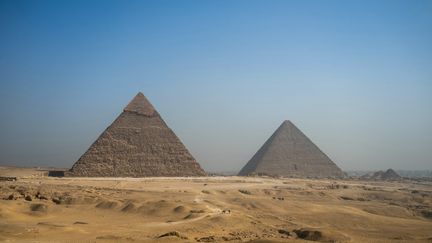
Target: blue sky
(355, 76)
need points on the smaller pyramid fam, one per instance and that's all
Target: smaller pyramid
(137, 144)
(389, 175)
(288, 152)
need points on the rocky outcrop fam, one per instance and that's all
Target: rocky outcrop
(137, 144)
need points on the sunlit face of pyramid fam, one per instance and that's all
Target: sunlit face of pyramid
(137, 144)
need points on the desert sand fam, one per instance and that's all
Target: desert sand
(213, 209)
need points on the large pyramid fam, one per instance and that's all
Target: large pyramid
(288, 152)
(137, 144)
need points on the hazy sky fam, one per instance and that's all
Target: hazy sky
(354, 76)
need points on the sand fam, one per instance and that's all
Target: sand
(213, 209)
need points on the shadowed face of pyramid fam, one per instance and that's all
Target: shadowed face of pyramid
(137, 144)
(288, 152)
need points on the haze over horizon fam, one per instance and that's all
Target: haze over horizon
(355, 77)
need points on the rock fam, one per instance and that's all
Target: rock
(51, 224)
(40, 196)
(346, 198)
(206, 239)
(306, 234)
(245, 192)
(28, 198)
(179, 209)
(109, 238)
(21, 190)
(56, 200)
(129, 207)
(231, 238)
(38, 207)
(107, 204)
(172, 233)
(80, 222)
(427, 214)
(285, 232)
(197, 211)
(226, 211)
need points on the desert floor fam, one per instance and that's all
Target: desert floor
(213, 209)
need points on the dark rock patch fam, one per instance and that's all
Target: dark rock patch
(10, 197)
(286, 232)
(56, 200)
(197, 211)
(210, 238)
(346, 198)
(106, 205)
(245, 192)
(427, 214)
(306, 234)
(226, 211)
(179, 209)
(129, 207)
(38, 207)
(40, 196)
(80, 222)
(172, 234)
(108, 237)
(50, 224)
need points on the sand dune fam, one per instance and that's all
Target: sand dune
(213, 209)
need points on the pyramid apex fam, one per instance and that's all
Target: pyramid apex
(287, 122)
(140, 105)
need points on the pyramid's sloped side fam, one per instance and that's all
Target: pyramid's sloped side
(253, 163)
(137, 145)
(288, 152)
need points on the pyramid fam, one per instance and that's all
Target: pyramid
(137, 144)
(288, 152)
(388, 175)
